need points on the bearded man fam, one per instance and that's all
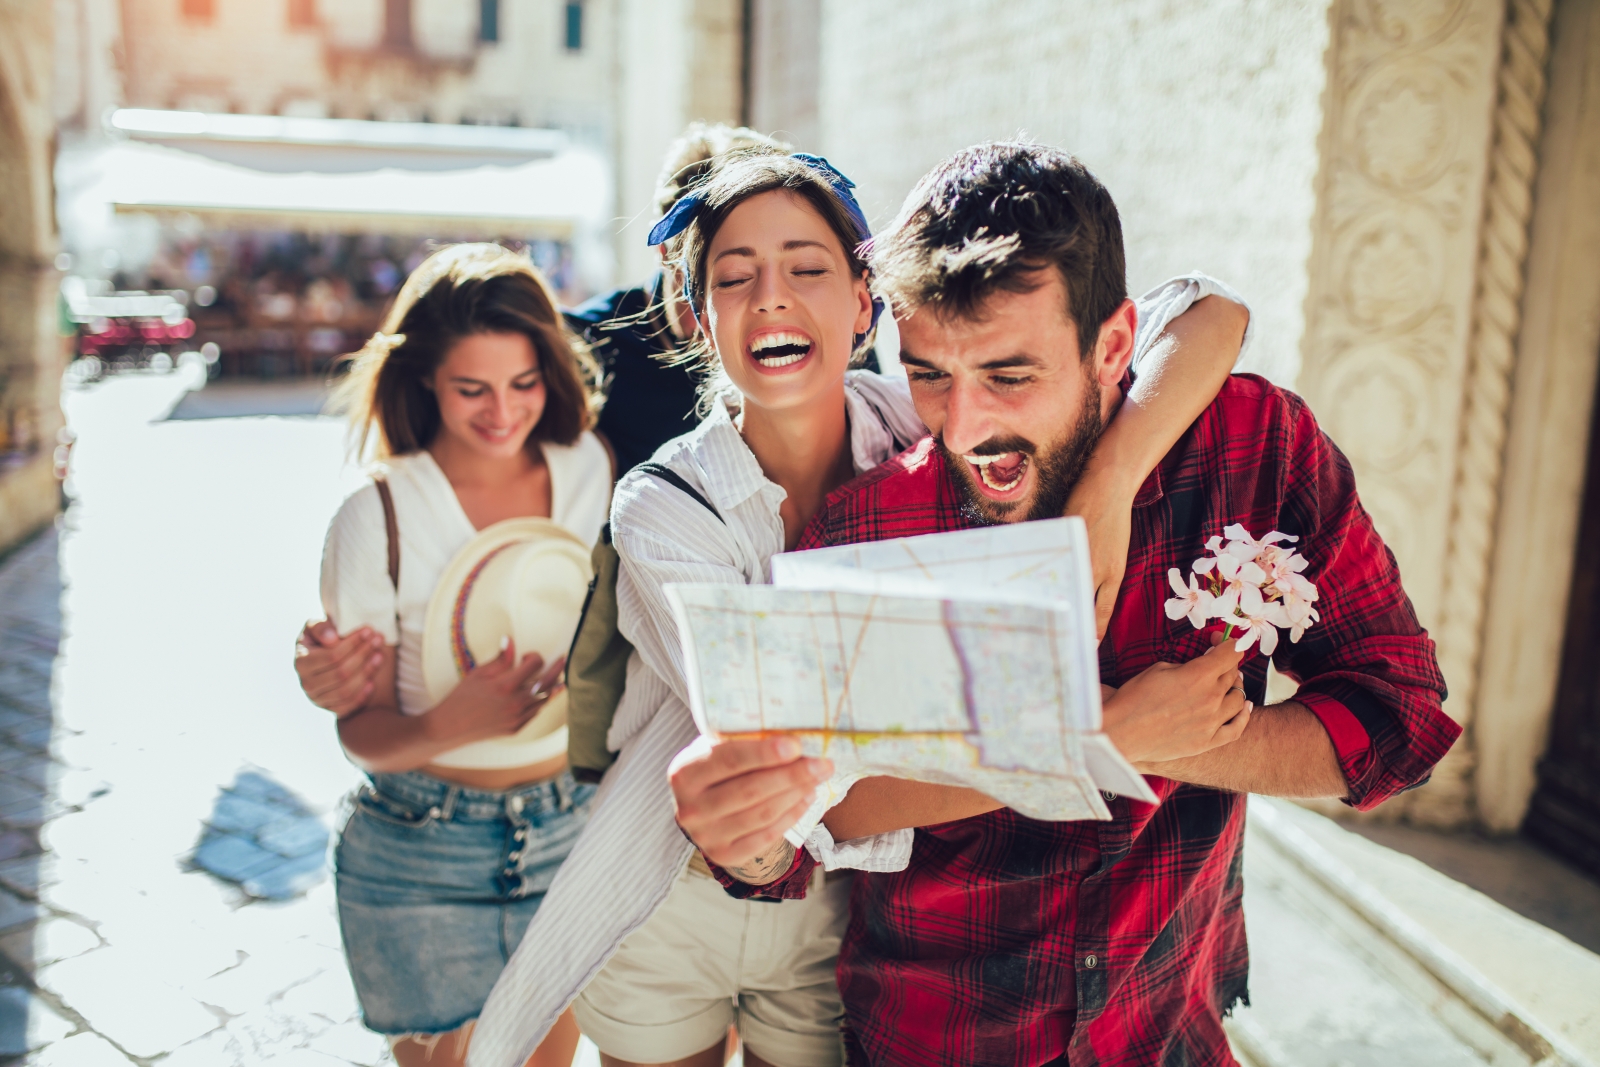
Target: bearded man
(1011, 941)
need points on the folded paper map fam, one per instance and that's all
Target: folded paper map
(964, 658)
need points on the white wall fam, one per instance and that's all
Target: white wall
(1205, 130)
(652, 83)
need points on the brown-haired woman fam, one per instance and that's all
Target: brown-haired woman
(474, 398)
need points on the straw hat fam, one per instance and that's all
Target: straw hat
(525, 579)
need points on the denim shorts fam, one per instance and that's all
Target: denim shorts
(436, 884)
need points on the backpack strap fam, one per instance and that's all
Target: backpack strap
(671, 477)
(391, 529)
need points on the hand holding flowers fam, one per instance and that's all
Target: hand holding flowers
(1253, 586)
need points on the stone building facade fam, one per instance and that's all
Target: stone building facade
(30, 348)
(1408, 193)
(540, 63)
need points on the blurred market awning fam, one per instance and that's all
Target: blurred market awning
(421, 179)
(286, 143)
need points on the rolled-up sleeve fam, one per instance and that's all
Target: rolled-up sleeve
(1367, 669)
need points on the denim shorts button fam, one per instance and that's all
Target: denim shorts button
(521, 834)
(434, 812)
(514, 857)
(516, 804)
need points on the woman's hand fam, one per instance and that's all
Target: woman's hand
(338, 673)
(495, 700)
(1104, 498)
(735, 798)
(1170, 710)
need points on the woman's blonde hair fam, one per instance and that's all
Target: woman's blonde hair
(457, 292)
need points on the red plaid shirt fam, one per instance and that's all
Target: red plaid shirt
(1011, 941)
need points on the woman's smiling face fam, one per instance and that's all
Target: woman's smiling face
(782, 307)
(491, 393)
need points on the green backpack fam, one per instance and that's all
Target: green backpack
(597, 662)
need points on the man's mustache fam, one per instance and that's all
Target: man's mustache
(999, 446)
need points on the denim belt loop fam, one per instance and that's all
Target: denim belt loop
(448, 808)
(564, 792)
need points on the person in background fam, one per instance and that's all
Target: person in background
(634, 335)
(476, 401)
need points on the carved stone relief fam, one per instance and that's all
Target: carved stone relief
(1389, 313)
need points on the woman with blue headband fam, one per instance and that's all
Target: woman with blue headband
(635, 932)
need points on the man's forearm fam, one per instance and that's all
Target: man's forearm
(1284, 752)
(768, 867)
(880, 805)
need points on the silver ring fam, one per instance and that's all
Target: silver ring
(1240, 688)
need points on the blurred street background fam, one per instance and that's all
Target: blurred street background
(209, 202)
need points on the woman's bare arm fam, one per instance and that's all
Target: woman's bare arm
(1178, 379)
(494, 700)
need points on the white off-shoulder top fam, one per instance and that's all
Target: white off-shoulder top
(356, 590)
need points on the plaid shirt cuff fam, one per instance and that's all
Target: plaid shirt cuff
(792, 886)
(1349, 737)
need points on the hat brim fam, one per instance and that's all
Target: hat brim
(442, 662)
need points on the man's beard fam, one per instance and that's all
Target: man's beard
(1057, 468)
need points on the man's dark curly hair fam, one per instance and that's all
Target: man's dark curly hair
(992, 218)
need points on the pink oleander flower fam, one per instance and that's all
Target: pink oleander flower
(1252, 585)
(1258, 619)
(1191, 600)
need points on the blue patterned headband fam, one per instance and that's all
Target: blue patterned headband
(687, 209)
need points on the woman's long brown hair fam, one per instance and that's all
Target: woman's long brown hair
(457, 292)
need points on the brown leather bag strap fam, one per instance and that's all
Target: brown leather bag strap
(391, 528)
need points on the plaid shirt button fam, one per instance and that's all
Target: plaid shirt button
(1090, 960)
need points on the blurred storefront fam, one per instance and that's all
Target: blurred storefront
(283, 270)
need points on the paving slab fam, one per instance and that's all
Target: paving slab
(81, 1050)
(122, 999)
(28, 1023)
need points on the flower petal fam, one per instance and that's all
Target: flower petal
(1174, 577)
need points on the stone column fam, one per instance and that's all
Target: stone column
(1431, 114)
(30, 364)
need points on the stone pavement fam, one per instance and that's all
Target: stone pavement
(121, 724)
(148, 708)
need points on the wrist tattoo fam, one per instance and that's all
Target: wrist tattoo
(766, 867)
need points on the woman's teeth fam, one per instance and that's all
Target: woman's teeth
(1001, 473)
(780, 349)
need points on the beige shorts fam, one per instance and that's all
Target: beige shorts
(705, 961)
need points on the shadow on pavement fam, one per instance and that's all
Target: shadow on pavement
(264, 838)
(30, 935)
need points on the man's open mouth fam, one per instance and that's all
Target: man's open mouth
(1001, 473)
(780, 349)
